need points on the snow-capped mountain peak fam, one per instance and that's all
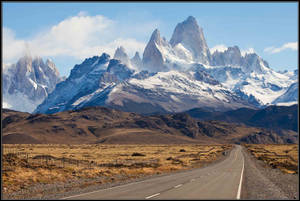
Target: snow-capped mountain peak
(153, 59)
(231, 56)
(191, 36)
(28, 82)
(155, 37)
(253, 63)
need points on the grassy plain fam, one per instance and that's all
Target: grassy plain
(283, 157)
(26, 164)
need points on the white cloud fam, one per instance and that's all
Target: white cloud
(273, 50)
(219, 48)
(78, 36)
(247, 51)
(12, 47)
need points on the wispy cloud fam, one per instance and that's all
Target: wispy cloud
(78, 36)
(273, 50)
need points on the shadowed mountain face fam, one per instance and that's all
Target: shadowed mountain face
(275, 117)
(104, 125)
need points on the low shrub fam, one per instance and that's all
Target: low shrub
(137, 154)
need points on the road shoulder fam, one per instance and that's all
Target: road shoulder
(264, 182)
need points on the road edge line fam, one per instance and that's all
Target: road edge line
(241, 180)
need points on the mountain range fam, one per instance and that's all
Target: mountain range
(172, 76)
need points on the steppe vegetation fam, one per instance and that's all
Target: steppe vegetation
(283, 157)
(24, 165)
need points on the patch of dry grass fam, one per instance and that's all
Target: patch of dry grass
(25, 164)
(283, 157)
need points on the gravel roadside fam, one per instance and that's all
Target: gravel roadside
(263, 182)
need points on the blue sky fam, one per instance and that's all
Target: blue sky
(69, 32)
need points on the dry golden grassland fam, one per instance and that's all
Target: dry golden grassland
(284, 157)
(25, 164)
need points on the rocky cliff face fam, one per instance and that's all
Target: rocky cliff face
(253, 63)
(186, 46)
(121, 55)
(28, 82)
(232, 57)
(190, 35)
(153, 59)
(136, 61)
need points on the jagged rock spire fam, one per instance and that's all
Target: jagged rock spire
(121, 55)
(152, 57)
(136, 61)
(191, 36)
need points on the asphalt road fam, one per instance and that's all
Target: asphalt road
(218, 181)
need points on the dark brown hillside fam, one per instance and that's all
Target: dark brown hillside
(12, 116)
(104, 125)
(271, 117)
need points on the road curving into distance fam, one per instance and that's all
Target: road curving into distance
(221, 180)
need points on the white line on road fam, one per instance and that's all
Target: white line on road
(241, 181)
(79, 195)
(151, 196)
(235, 156)
(120, 186)
(178, 186)
(104, 189)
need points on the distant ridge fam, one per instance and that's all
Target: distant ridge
(275, 117)
(104, 125)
